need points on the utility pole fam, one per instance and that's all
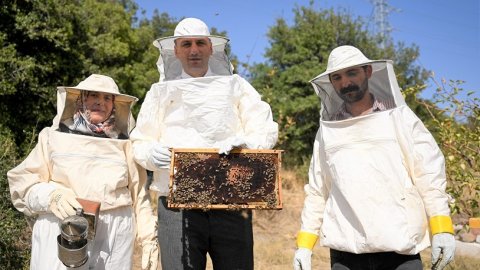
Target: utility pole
(382, 27)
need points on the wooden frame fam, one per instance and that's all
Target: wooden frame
(244, 179)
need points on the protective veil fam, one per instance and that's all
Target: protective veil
(170, 67)
(94, 168)
(374, 180)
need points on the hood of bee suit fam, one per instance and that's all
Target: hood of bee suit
(170, 67)
(67, 97)
(382, 84)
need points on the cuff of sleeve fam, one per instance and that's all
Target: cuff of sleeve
(441, 224)
(306, 240)
(38, 196)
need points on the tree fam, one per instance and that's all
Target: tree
(38, 48)
(116, 46)
(297, 54)
(49, 43)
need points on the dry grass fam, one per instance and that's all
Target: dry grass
(275, 231)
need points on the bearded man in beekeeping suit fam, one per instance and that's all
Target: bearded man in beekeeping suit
(376, 192)
(199, 103)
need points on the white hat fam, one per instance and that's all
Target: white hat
(170, 67)
(101, 83)
(344, 57)
(382, 84)
(189, 27)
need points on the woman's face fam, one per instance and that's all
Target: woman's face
(99, 105)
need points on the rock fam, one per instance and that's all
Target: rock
(461, 219)
(467, 249)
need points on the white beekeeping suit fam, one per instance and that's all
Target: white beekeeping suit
(377, 180)
(199, 103)
(66, 164)
(204, 112)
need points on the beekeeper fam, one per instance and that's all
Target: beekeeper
(376, 191)
(86, 154)
(199, 103)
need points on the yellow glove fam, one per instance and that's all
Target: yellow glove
(149, 255)
(63, 203)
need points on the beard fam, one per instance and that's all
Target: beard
(353, 93)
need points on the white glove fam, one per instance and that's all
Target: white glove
(63, 203)
(443, 250)
(149, 255)
(231, 143)
(161, 156)
(302, 259)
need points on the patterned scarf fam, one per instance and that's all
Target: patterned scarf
(81, 120)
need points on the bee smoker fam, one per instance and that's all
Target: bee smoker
(72, 241)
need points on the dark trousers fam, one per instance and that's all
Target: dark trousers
(186, 236)
(340, 260)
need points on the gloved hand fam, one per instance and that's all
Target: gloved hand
(443, 250)
(149, 255)
(302, 259)
(63, 202)
(161, 156)
(231, 143)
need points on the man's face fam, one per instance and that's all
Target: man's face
(351, 84)
(194, 53)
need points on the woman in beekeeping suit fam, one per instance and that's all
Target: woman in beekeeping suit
(377, 177)
(199, 103)
(86, 154)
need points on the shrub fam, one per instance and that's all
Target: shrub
(15, 236)
(456, 118)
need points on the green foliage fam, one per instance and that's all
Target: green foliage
(49, 43)
(456, 124)
(14, 242)
(300, 52)
(115, 48)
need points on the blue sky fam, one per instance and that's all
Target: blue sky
(447, 32)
